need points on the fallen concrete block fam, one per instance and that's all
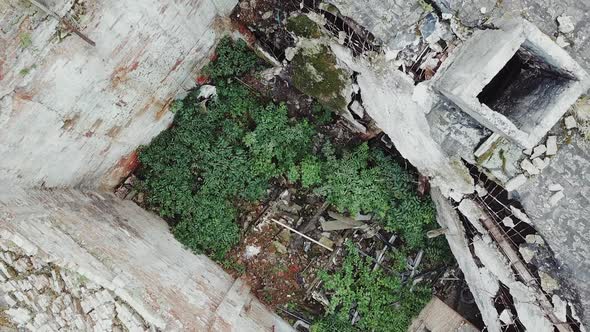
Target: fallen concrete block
(551, 146)
(538, 151)
(570, 122)
(529, 167)
(515, 182)
(558, 196)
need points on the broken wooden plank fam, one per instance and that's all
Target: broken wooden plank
(338, 225)
(301, 234)
(437, 316)
(63, 21)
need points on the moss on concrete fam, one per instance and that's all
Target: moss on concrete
(315, 73)
(303, 26)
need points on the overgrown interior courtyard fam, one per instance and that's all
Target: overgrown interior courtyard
(247, 156)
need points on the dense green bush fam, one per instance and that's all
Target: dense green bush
(232, 59)
(382, 301)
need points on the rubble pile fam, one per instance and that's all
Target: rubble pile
(41, 296)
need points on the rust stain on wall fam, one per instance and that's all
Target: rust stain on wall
(164, 109)
(68, 124)
(114, 131)
(120, 73)
(178, 62)
(129, 163)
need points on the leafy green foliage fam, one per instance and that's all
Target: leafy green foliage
(233, 59)
(333, 323)
(303, 26)
(25, 39)
(365, 180)
(382, 301)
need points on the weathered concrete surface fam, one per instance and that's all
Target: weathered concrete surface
(392, 21)
(71, 114)
(565, 226)
(481, 281)
(115, 246)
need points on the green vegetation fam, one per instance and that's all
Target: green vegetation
(383, 302)
(27, 70)
(25, 39)
(220, 157)
(303, 26)
(233, 59)
(425, 6)
(315, 74)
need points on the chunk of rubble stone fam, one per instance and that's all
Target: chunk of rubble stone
(207, 91)
(551, 146)
(515, 182)
(538, 151)
(508, 222)
(559, 308)
(561, 41)
(526, 253)
(251, 251)
(570, 122)
(520, 215)
(279, 247)
(327, 242)
(548, 283)
(481, 191)
(534, 239)
(566, 25)
(539, 163)
(529, 167)
(528, 152)
(506, 317)
(357, 108)
(558, 196)
(555, 187)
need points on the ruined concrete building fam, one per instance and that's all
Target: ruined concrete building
(486, 98)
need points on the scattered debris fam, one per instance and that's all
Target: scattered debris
(515, 182)
(508, 222)
(526, 253)
(251, 251)
(481, 191)
(555, 187)
(538, 151)
(555, 198)
(207, 91)
(539, 163)
(566, 25)
(529, 167)
(506, 317)
(551, 146)
(562, 42)
(570, 122)
(534, 239)
(520, 215)
(548, 283)
(340, 224)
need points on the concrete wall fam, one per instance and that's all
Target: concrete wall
(71, 114)
(112, 255)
